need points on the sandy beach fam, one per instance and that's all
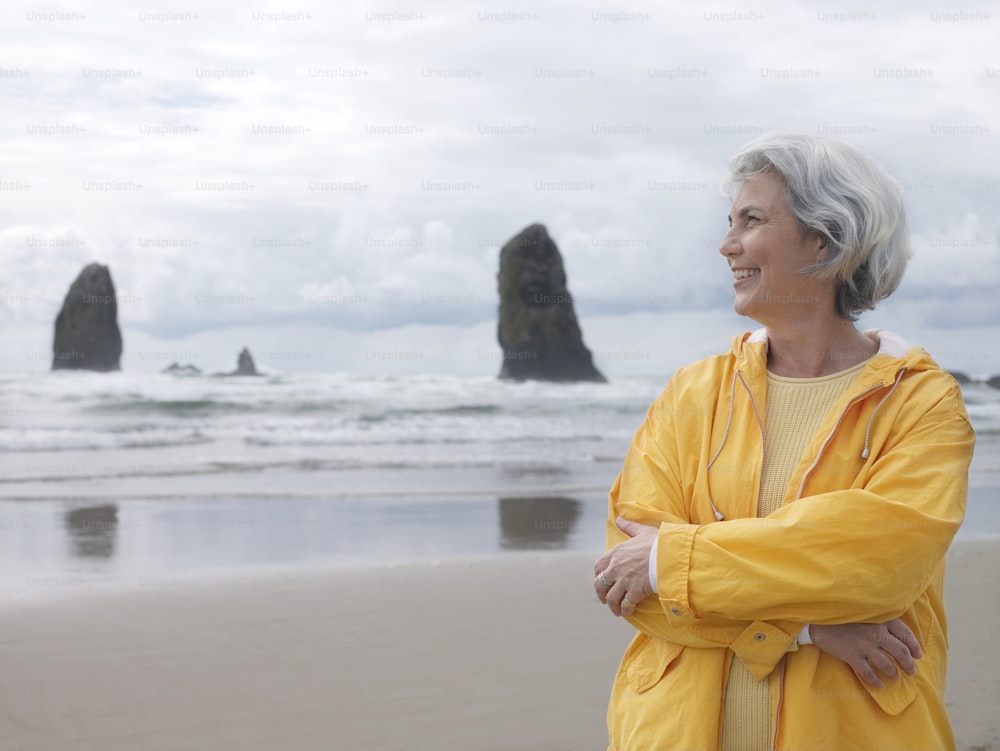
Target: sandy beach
(505, 652)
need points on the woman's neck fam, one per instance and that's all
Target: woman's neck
(796, 351)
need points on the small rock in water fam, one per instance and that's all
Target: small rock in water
(244, 366)
(182, 370)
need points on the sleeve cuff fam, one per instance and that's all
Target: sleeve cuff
(673, 568)
(761, 647)
(803, 638)
(652, 563)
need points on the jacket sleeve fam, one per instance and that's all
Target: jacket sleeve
(650, 490)
(863, 554)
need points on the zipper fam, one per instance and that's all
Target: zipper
(727, 665)
(777, 705)
(781, 667)
(836, 427)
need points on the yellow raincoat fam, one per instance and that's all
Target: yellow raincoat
(861, 537)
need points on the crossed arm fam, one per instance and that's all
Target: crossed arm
(873, 650)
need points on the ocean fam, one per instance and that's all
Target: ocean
(151, 478)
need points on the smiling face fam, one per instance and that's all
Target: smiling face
(768, 250)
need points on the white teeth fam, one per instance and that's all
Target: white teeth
(744, 273)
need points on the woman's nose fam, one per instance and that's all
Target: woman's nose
(729, 246)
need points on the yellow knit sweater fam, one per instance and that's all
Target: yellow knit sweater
(794, 410)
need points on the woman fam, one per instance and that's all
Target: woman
(777, 534)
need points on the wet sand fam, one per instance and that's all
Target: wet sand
(505, 652)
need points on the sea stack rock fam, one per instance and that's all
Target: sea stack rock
(87, 335)
(993, 381)
(245, 365)
(538, 331)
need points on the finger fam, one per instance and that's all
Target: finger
(883, 664)
(628, 527)
(602, 563)
(601, 591)
(615, 596)
(604, 581)
(601, 587)
(903, 632)
(616, 606)
(900, 652)
(627, 607)
(867, 674)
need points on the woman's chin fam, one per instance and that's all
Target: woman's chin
(743, 308)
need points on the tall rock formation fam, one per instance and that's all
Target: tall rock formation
(87, 335)
(538, 331)
(245, 365)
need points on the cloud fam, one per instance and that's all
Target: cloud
(247, 168)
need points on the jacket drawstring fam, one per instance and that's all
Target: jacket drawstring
(868, 428)
(865, 453)
(725, 435)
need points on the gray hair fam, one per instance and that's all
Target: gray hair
(839, 193)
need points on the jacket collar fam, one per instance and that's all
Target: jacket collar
(894, 353)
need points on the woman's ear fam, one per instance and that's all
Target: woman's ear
(822, 247)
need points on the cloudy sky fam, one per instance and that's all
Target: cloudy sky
(329, 184)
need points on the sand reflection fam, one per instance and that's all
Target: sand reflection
(93, 531)
(529, 523)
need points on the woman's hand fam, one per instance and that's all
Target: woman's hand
(622, 574)
(870, 647)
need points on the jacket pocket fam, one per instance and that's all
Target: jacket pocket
(648, 659)
(894, 696)
(897, 695)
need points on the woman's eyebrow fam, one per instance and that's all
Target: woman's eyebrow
(744, 211)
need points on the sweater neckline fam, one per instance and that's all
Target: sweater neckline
(773, 378)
